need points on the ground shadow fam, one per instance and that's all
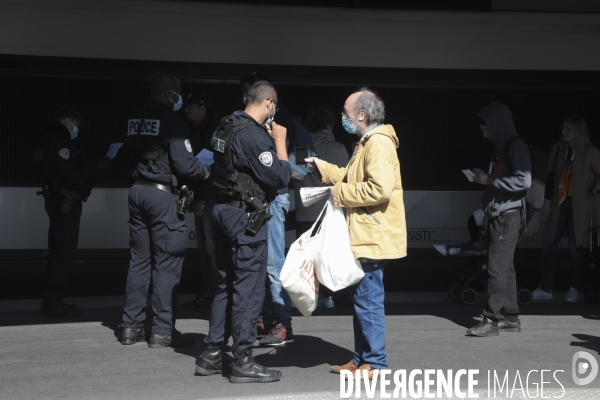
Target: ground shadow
(460, 314)
(588, 342)
(294, 355)
(298, 355)
(457, 313)
(192, 351)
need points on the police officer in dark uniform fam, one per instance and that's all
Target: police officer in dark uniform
(67, 182)
(157, 205)
(204, 123)
(250, 164)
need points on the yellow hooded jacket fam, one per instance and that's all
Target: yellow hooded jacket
(372, 195)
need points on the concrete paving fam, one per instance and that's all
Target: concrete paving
(82, 359)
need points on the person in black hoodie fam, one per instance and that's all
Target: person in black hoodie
(503, 203)
(204, 122)
(67, 182)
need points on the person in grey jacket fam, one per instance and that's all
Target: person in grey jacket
(320, 122)
(503, 203)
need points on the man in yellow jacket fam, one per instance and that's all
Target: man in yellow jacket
(370, 189)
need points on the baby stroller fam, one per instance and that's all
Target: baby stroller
(475, 275)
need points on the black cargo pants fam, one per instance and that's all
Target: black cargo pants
(503, 235)
(158, 240)
(63, 238)
(242, 264)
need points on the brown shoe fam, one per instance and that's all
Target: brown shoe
(277, 336)
(365, 367)
(350, 366)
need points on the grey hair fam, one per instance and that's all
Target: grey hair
(369, 102)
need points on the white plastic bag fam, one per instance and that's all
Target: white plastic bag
(334, 261)
(298, 273)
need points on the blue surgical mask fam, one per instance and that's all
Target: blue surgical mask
(74, 132)
(245, 99)
(347, 127)
(271, 118)
(177, 106)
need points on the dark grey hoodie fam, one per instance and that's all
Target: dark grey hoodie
(329, 150)
(504, 190)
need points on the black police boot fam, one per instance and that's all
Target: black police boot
(132, 335)
(177, 339)
(209, 363)
(58, 308)
(246, 370)
(487, 327)
(505, 325)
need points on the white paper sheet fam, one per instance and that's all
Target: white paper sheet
(112, 151)
(206, 157)
(311, 195)
(469, 174)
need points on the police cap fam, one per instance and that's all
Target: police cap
(71, 113)
(199, 99)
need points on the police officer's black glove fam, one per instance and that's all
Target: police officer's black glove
(103, 162)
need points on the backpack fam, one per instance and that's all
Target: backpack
(534, 198)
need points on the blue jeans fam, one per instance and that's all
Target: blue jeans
(369, 317)
(277, 305)
(565, 223)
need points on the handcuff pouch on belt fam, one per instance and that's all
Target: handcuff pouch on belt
(184, 201)
(183, 196)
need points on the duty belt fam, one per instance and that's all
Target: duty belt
(159, 186)
(236, 203)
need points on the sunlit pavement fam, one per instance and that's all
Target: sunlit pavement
(44, 358)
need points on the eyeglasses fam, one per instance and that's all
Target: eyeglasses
(276, 106)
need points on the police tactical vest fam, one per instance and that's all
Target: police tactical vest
(143, 129)
(228, 181)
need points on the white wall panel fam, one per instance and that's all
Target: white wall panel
(431, 217)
